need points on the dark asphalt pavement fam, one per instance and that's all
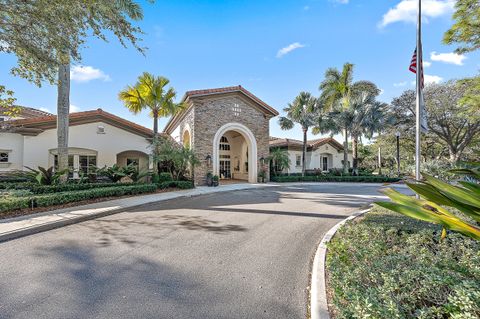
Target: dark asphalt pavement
(242, 254)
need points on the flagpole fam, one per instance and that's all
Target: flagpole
(419, 92)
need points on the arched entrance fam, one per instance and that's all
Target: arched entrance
(235, 153)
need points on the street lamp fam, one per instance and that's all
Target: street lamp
(397, 134)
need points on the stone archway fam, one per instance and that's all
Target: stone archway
(251, 144)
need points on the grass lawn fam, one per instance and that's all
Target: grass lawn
(385, 265)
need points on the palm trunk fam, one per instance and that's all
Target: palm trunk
(63, 110)
(355, 155)
(345, 152)
(304, 150)
(155, 138)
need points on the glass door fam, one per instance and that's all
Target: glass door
(225, 169)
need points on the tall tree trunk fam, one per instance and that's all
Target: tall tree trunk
(304, 150)
(355, 155)
(63, 110)
(156, 142)
(345, 152)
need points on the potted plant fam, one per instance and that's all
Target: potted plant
(215, 180)
(209, 179)
(262, 175)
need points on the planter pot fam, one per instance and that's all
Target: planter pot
(209, 181)
(215, 183)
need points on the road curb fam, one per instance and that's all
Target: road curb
(27, 231)
(318, 293)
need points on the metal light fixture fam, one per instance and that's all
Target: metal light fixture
(208, 158)
(262, 160)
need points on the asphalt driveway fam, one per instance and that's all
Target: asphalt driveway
(243, 254)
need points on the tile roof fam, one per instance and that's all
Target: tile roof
(282, 142)
(28, 112)
(50, 121)
(173, 122)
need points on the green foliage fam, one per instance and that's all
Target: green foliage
(7, 102)
(14, 203)
(164, 177)
(114, 173)
(215, 178)
(327, 178)
(279, 160)
(75, 196)
(151, 92)
(466, 29)
(176, 159)
(175, 184)
(41, 176)
(71, 187)
(436, 195)
(40, 32)
(386, 265)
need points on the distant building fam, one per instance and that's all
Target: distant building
(322, 154)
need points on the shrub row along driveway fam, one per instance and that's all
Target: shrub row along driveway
(243, 254)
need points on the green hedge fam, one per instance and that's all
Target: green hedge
(47, 189)
(13, 203)
(320, 178)
(175, 184)
(386, 265)
(73, 196)
(16, 185)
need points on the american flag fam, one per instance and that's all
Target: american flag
(423, 112)
(413, 66)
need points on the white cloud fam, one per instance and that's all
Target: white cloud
(427, 64)
(429, 79)
(451, 58)
(400, 84)
(341, 1)
(82, 73)
(381, 92)
(406, 11)
(74, 108)
(289, 48)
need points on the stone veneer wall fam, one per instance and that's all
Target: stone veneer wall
(212, 112)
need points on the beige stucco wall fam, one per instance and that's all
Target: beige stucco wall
(13, 144)
(115, 140)
(313, 158)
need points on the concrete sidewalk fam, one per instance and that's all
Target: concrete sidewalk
(16, 227)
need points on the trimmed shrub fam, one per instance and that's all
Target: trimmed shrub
(75, 196)
(386, 265)
(176, 184)
(46, 189)
(13, 203)
(326, 178)
(17, 185)
(164, 177)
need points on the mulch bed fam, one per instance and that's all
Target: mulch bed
(30, 211)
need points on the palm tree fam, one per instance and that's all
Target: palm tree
(302, 111)
(279, 159)
(338, 89)
(151, 92)
(123, 7)
(368, 117)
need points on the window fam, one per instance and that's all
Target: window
(236, 109)
(3, 157)
(87, 163)
(70, 164)
(298, 160)
(324, 163)
(133, 161)
(224, 145)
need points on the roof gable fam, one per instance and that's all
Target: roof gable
(190, 95)
(311, 144)
(34, 126)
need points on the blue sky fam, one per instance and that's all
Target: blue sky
(206, 44)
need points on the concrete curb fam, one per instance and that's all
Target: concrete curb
(318, 293)
(65, 217)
